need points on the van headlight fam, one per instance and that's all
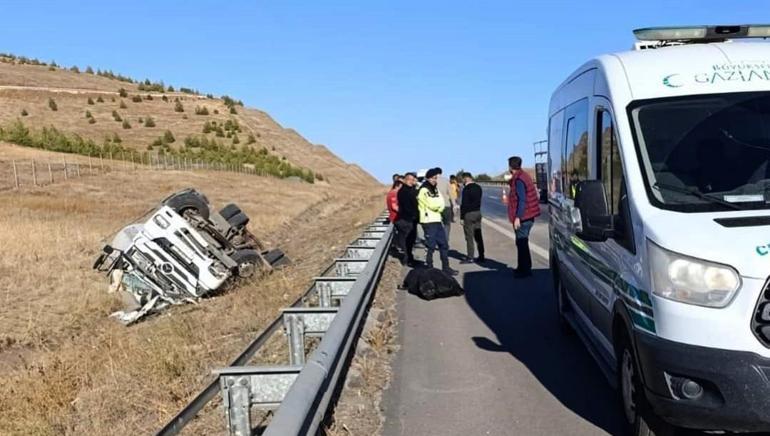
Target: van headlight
(689, 280)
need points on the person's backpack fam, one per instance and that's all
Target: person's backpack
(431, 283)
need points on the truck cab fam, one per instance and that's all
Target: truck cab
(659, 199)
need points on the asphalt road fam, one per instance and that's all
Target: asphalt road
(494, 362)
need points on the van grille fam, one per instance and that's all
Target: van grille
(760, 325)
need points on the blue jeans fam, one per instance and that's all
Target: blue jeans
(526, 227)
(522, 246)
(435, 237)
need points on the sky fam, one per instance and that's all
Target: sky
(391, 85)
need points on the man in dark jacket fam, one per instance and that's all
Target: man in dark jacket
(470, 214)
(523, 207)
(406, 223)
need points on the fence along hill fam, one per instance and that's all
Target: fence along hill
(101, 105)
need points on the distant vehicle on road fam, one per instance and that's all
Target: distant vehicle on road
(659, 196)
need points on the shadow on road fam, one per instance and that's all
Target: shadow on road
(522, 315)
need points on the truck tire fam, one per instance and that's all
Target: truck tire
(188, 201)
(640, 418)
(230, 211)
(247, 260)
(238, 221)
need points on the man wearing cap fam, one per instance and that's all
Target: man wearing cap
(431, 204)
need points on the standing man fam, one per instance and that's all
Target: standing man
(432, 204)
(523, 208)
(391, 199)
(470, 214)
(406, 221)
(454, 190)
(447, 215)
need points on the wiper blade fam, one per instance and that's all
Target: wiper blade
(696, 193)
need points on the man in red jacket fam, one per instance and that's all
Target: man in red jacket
(523, 208)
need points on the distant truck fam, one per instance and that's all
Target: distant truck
(179, 252)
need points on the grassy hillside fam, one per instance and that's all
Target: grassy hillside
(101, 109)
(65, 368)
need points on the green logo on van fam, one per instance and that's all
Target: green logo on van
(671, 80)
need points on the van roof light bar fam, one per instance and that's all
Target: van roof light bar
(696, 34)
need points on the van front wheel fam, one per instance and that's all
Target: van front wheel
(641, 420)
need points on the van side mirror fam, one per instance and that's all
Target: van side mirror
(595, 217)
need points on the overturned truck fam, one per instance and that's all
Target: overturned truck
(180, 252)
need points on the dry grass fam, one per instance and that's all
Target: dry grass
(67, 369)
(71, 92)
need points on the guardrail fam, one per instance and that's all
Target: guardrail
(302, 390)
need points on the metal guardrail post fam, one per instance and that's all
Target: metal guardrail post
(347, 267)
(355, 252)
(295, 330)
(332, 289)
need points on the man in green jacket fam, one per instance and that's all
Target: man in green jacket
(431, 204)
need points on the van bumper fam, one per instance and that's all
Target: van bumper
(736, 386)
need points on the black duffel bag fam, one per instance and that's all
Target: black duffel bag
(431, 283)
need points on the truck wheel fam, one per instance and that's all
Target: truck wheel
(238, 221)
(247, 260)
(188, 201)
(639, 416)
(230, 211)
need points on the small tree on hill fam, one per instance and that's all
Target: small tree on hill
(216, 111)
(251, 139)
(75, 69)
(90, 100)
(24, 112)
(116, 139)
(116, 116)
(168, 137)
(178, 106)
(136, 99)
(89, 70)
(164, 98)
(88, 114)
(99, 99)
(149, 97)
(91, 120)
(122, 104)
(236, 140)
(149, 122)
(122, 92)
(201, 110)
(52, 104)
(232, 110)
(170, 88)
(126, 124)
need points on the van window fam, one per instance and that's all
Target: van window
(610, 167)
(555, 145)
(576, 148)
(704, 153)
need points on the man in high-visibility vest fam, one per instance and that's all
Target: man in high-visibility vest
(523, 207)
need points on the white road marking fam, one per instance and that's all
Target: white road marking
(540, 251)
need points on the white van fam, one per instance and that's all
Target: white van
(659, 194)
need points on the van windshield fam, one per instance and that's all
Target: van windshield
(705, 152)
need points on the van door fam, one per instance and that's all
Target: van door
(614, 257)
(572, 168)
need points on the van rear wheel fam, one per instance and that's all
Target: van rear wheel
(640, 418)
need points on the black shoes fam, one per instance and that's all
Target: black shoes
(450, 271)
(480, 259)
